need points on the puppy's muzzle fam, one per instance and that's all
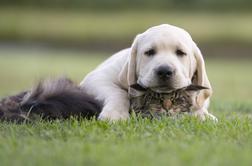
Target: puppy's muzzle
(164, 73)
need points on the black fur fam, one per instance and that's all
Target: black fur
(50, 99)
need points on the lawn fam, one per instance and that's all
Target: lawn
(184, 141)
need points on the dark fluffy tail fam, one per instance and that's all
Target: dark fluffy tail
(50, 99)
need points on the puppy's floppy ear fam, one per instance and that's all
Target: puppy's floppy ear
(127, 75)
(200, 78)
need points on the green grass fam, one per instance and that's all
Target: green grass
(183, 141)
(61, 25)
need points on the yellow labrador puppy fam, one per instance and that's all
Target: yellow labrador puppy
(163, 55)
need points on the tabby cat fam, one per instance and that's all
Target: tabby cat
(157, 102)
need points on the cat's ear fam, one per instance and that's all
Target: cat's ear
(195, 87)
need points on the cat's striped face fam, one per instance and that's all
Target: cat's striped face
(149, 103)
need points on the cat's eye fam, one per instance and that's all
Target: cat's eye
(150, 52)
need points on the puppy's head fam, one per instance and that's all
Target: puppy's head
(166, 56)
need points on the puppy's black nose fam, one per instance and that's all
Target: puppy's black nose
(164, 72)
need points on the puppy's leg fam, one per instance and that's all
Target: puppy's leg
(114, 98)
(116, 105)
(203, 112)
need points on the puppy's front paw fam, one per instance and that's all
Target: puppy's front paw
(212, 117)
(203, 115)
(113, 115)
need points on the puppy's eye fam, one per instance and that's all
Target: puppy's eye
(150, 52)
(180, 52)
